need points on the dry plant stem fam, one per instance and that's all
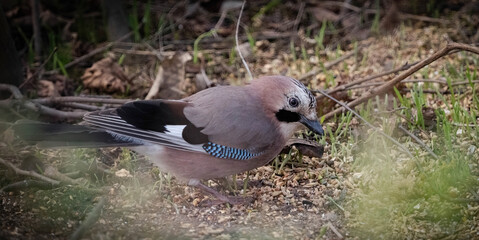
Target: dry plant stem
(327, 65)
(419, 141)
(81, 106)
(53, 112)
(388, 86)
(359, 81)
(90, 219)
(29, 173)
(237, 43)
(439, 81)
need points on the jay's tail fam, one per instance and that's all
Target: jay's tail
(65, 135)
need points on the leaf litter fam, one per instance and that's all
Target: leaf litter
(356, 189)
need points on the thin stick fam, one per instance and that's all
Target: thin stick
(81, 106)
(359, 81)
(37, 107)
(27, 183)
(419, 141)
(29, 173)
(237, 42)
(390, 84)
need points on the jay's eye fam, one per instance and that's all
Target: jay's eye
(293, 102)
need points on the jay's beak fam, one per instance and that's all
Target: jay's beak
(313, 125)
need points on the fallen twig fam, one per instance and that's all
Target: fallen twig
(17, 95)
(359, 81)
(419, 141)
(27, 183)
(51, 100)
(82, 106)
(439, 81)
(55, 174)
(390, 84)
(29, 173)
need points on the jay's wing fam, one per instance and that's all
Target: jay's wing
(151, 121)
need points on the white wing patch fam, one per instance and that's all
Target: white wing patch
(176, 130)
(118, 128)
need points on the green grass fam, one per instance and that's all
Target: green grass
(398, 197)
(134, 23)
(196, 47)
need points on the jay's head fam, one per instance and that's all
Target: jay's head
(291, 103)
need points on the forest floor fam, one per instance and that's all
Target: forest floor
(363, 186)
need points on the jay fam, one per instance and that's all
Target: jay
(214, 133)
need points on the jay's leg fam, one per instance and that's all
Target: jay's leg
(222, 198)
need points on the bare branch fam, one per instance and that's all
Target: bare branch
(37, 107)
(359, 81)
(390, 84)
(29, 173)
(419, 141)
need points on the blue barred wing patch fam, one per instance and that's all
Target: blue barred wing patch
(221, 151)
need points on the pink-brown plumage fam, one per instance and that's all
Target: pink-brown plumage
(214, 133)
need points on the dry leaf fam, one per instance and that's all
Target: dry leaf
(123, 173)
(106, 76)
(47, 89)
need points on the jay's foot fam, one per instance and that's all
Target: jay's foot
(220, 198)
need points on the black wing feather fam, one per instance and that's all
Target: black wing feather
(154, 115)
